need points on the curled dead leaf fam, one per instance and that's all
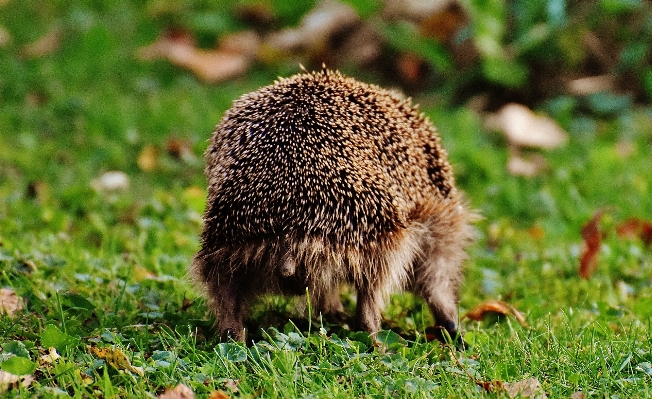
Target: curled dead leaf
(530, 388)
(10, 303)
(523, 128)
(634, 229)
(479, 312)
(592, 240)
(179, 392)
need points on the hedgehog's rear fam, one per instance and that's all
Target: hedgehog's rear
(320, 180)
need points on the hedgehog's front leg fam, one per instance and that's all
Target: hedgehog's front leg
(367, 313)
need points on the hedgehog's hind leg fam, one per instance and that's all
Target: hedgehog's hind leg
(225, 289)
(437, 277)
(330, 305)
(229, 303)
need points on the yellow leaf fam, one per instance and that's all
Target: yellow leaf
(116, 358)
(148, 158)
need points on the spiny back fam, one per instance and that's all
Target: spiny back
(321, 155)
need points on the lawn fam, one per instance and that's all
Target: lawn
(99, 261)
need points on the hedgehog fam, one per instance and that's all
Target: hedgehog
(320, 180)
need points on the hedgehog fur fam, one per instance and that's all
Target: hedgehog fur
(320, 180)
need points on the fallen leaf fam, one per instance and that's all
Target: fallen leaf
(523, 128)
(415, 9)
(111, 181)
(8, 380)
(634, 229)
(140, 274)
(592, 240)
(591, 84)
(148, 158)
(518, 165)
(479, 312)
(445, 24)
(51, 357)
(10, 303)
(116, 358)
(530, 388)
(46, 44)
(537, 232)
(231, 59)
(411, 69)
(179, 392)
(578, 395)
(316, 29)
(219, 394)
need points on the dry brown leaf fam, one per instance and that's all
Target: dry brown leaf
(518, 165)
(590, 84)
(231, 59)
(10, 303)
(46, 44)
(578, 395)
(479, 312)
(444, 24)
(592, 240)
(530, 388)
(635, 229)
(148, 158)
(179, 392)
(411, 69)
(524, 128)
(219, 394)
(7, 380)
(116, 358)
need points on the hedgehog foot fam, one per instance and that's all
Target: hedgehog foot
(226, 299)
(367, 313)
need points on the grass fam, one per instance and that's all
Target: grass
(108, 269)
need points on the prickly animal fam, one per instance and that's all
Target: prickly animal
(319, 180)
